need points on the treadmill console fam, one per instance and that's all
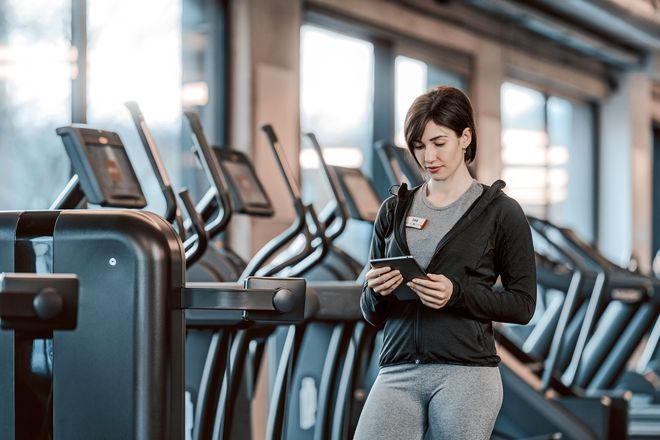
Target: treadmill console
(363, 202)
(404, 166)
(99, 159)
(246, 191)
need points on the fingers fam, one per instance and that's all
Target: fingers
(383, 280)
(391, 285)
(432, 302)
(432, 293)
(435, 290)
(435, 285)
(437, 277)
(375, 272)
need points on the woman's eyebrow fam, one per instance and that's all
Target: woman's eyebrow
(438, 136)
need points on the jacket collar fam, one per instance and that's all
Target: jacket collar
(404, 202)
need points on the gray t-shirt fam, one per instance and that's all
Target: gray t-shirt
(422, 242)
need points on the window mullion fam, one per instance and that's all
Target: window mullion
(79, 43)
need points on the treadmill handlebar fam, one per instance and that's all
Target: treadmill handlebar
(274, 246)
(196, 244)
(319, 247)
(70, 197)
(340, 210)
(283, 163)
(38, 303)
(259, 299)
(238, 298)
(315, 247)
(154, 159)
(211, 170)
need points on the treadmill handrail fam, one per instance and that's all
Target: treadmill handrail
(283, 164)
(385, 152)
(574, 288)
(226, 296)
(308, 249)
(558, 339)
(385, 157)
(211, 170)
(71, 195)
(609, 274)
(273, 246)
(196, 244)
(340, 209)
(155, 160)
(320, 246)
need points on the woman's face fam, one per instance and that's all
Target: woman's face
(440, 151)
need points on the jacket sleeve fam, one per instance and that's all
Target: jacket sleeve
(375, 308)
(514, 262)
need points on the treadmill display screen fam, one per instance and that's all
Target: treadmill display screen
(114, 171)
(246, 191)
(363, 195)
(401, 177)
(246, 184)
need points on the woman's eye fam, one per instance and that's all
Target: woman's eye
(439, 145)
(418, 147)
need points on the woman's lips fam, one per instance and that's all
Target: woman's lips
(434, 169)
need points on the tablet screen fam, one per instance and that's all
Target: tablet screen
(408, 267)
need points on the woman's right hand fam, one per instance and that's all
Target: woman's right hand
(383, 280)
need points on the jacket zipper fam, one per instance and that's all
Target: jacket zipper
(417, 334)
(399, 238)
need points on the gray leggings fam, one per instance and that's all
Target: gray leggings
(450, 401)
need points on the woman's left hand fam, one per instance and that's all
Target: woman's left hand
(434, 292)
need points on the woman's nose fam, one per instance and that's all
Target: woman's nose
(429, 155)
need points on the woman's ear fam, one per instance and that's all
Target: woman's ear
(466, 137)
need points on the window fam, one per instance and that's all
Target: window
(162, 61)
(336, 105)
(135, 55)
(37, 63)
(540, 133)
(336, 97)
(412, 78)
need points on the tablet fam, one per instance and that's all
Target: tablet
(408, 267)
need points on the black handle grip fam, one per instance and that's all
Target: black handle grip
(196, 244)
(38, 303)
(341, 209)
(212, 171)
(269, 132)
(283, 163)
(155, 160)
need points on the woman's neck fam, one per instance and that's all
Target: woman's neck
(445, 192)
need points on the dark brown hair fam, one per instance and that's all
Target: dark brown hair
(446, 106)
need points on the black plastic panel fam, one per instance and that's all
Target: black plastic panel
(8, 225)
(123, 363)
(248, 195)
(100, 160)
(363, 201)
(296, 285)
(38, 303)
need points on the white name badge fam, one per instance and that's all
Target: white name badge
(416, 222)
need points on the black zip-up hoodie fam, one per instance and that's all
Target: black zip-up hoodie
(491, 239)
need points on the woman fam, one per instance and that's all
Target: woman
(438, 362)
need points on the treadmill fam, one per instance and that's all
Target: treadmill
(105, 178)
(618, 320)
(118, 370)
(209, 398)
(328, 351)
(335, 302)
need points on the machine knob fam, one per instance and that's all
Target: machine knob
(284, 300)
(48, 304)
